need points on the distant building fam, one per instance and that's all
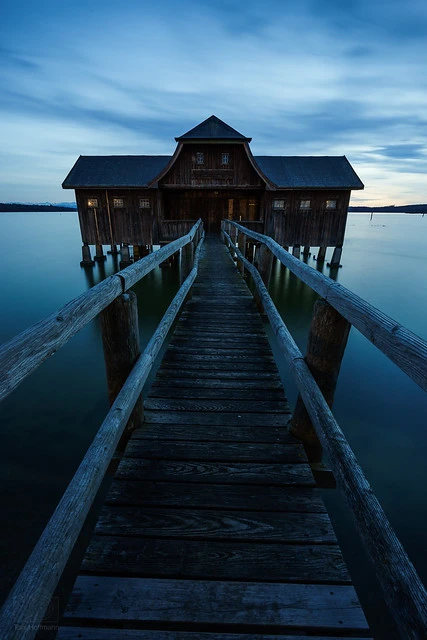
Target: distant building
(146, 200)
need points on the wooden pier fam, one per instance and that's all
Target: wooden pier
(213, 523)
(213, 528)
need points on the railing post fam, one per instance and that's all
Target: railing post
(241, 244)
(264, 259)
(326, 345)
(120, 339)
(187, 262)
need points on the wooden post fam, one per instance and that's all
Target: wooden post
(336, 257)
(144, 250)
(265, 263)
(241, 244)
(187, 260)
(306, 250)
(113, 250)
(120, 339)
(296, 250)
(326, 345)
(136, 253)
(125, 261)
(321, 254)
(86, 257)
(99, 255)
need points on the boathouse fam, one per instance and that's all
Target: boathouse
(144, 200)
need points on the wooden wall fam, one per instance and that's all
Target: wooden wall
(315, 227)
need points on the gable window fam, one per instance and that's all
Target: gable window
(144, 203)
(278, 204)
(305, 204)
(200, 157)
(225, 158)
(331, 204)
(92, 202)
(118, 203)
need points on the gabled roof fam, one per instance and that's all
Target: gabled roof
(212, 129)
(114, 171)
(310, 172)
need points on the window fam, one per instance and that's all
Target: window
(118, 203)
(331, 204)
(144, 203)
(200, 157)
(92, 202)
(225, 158)
(278, 204)
(304, 204)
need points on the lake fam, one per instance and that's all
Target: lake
(47, 424)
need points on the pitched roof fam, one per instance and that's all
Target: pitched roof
(212, 129)
(114, 171)
(316, 172)
(287, 172)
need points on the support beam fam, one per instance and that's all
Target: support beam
(99, 255)
(336, 257)
(321, 254)
(296, 250)
(326, 345)
(86, 256)
(126, 260)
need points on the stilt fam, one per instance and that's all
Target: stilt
(126, 260)
(321, 255)
(286, 247)
(296, 250)
(144, 250)
(336, 257)
(113, 250)
(136, 253)
(86, 257)
(99, 255)
(306, 250)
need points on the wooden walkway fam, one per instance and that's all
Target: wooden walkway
(213, 528)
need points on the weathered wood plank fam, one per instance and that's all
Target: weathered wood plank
(303, 607)
(225, 451)
(90, 633)
(195, 382)
(216, 472)
(238, 375)
(210, 418)
(208, 433)
(221, 524)
(238, 497)
(218, 406)
(222, 393)
(218, 364)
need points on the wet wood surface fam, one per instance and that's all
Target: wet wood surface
(213, 528)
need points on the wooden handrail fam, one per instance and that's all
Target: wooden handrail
(31, 595)
(25, 352)
(403, 590)
(399, 344)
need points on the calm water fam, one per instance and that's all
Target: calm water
(47, 424)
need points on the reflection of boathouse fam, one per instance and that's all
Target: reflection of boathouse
(146, 200)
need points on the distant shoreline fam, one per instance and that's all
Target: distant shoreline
(407, 208)
(16, 207)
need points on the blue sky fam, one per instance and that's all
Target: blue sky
(310, 77)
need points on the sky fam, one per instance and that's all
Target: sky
(308, 77)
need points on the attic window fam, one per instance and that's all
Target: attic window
(305, 204)
(92, 203)
(200, 157)
(118, 203)
(144, 203)
(278, 204)
(225, 158)
(331, 204)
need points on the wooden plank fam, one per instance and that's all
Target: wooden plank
(219, 524)
(90, 633)
(266, 605)
(236, 497)
(177, 363)
(225, 451)
(222, 393)
(208, 433)
(206, 418)
(238, 375)
(216, 472)
(237, 352)
(214, 383)
(128, 556)
(218, 406)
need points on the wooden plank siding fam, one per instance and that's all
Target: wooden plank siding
(213, 528)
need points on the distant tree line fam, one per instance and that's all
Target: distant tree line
(15, 206)
(406, 208)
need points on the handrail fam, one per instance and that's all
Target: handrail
(399, 344)
(25, 352)
(31, 595)
(403, 590)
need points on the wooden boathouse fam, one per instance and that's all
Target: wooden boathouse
(141, 201)
(213, 527)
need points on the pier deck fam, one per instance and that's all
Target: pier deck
(213, 527)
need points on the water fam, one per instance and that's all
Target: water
(47, 424)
